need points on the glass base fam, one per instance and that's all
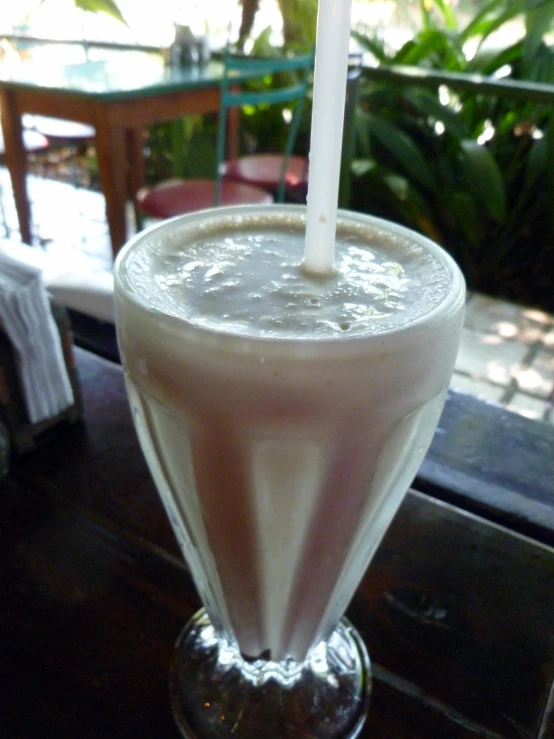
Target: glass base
(216, 694)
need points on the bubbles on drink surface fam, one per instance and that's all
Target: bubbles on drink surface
(247, 278)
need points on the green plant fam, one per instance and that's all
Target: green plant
(299, 22)
(473, 171)
(109, 7)
(182, 148)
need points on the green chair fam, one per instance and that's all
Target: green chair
(279, 173)
(177, 196)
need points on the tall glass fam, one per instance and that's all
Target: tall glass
(281, 455)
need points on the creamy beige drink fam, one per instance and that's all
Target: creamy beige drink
(283, 417)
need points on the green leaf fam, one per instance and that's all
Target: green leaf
(413, 206)
(488, 61)
(505, 124)
(299, 21)
(404, 51)
(178, 157)
(109, 7)
(360, 167)
(398, 185)
(538, 22)
(549, 140)
(201, 160)
(426, 16)
(484, 178)
(447, 13)
(373, 44)
(495, 14)
(422, 46)
(461, 207)
(490, 17)
(540, 68)
(402, 149)
(429, 106)
(536, 161)
(361, 129)
(262, 45)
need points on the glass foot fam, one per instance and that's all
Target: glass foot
(216, 694)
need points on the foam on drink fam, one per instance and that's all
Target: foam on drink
(240, 275)
(275, 409)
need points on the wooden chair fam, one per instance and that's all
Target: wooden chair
(178, 196)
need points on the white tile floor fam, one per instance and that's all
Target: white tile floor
(507, 356)
(507, 351)
(489, 357)
(480, 388)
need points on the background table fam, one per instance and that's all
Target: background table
(119, 96)
(457, 613)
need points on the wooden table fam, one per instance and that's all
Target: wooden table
(457, 612)
(119, 96)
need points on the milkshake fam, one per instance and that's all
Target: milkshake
(283, 415)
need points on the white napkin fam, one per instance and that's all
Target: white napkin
(26, 319)
(70, 281)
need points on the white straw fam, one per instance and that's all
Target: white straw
(331, 68)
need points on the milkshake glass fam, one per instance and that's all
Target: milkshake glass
(283, 417)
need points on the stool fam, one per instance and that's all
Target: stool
(265, 171)
(33, 141)
(61, 132)
(176, 196)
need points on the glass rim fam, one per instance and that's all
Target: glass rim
(448, 307)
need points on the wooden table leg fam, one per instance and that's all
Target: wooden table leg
(16, 160)
(136, 172)
(112, 166)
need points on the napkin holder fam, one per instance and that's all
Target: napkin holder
(24, 435)
(187, 49)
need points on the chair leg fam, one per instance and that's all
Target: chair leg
(73, 148)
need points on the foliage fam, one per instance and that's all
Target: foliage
(249, 10)
(109, 7)
(299, 22)
(182, 148)
(473, 171)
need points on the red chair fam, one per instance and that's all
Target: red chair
(175, 197)
(183, 196)
(265, 170)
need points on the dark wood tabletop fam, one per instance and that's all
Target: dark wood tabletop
(457, 612)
